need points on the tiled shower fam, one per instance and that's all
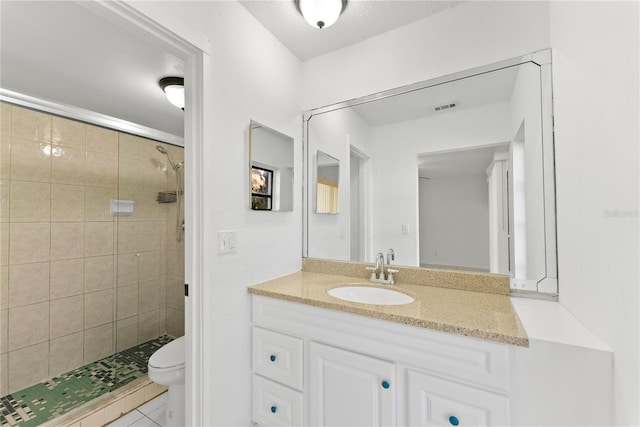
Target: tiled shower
(78, 283)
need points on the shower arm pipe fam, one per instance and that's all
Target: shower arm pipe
(178, 203)
(177, 167)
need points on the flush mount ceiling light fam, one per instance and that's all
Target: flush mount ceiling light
(321, 13)
(173, 87)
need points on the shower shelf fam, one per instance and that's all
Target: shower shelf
(167, 196)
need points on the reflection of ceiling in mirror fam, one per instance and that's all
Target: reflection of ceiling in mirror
(326, 160)
(469, 92)
(458, 163)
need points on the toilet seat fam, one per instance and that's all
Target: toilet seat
(170, 356)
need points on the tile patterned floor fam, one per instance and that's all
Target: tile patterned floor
(151, 414)
(34, 405)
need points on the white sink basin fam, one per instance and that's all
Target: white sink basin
(370, 295)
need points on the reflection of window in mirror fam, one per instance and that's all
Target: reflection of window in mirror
(261, 189)
(327, 196)
(327, 178)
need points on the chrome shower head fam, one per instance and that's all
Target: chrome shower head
(175, 166)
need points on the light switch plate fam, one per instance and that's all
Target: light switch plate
(227, 241)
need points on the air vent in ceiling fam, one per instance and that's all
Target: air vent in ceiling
(447, 106)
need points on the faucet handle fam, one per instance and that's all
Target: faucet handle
(392, 271)
(373, 271)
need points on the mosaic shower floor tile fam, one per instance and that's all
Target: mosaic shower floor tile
(34, 405)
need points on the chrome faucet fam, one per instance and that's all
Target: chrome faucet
(378, 273)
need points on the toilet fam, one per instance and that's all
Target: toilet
(166, 367)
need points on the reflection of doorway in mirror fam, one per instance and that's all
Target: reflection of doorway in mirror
(499, 214)
(358, 209)
(463, 219)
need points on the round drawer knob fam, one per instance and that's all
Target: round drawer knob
(272, 357)
(385, 384)
(274, 409)
(454, 420)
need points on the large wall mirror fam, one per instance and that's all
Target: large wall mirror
(454, 173)
(270, 169)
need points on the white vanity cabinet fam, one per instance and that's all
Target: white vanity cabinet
(349, 389)
(433, 401)
(319, 367)
(277, 378)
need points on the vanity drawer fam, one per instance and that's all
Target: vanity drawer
(274, 404)
(277, 356)
(433, 401)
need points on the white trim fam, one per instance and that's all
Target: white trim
(88, 116)
(194, 244)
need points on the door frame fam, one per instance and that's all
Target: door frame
(193, 52)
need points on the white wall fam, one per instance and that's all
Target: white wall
(595, 78)
(249, 75)
(269, 244)
(473, 34)
(454, 221)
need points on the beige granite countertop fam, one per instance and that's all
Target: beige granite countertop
(475, 314)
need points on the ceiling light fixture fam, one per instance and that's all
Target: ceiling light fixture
(321, 13)
(173, 88)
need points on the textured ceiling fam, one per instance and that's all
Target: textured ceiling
(360, 20)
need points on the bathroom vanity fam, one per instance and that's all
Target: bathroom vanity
(443, 359)
(451, 357)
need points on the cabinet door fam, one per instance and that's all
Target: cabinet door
(433, 401)
(349, 389)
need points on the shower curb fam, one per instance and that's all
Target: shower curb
(111, 406)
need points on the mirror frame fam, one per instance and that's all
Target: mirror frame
(546, 286)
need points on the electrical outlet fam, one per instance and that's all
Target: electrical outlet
(227, 241)
(405, 228)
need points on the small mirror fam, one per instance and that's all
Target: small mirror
(270, 169)
(327, 179)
